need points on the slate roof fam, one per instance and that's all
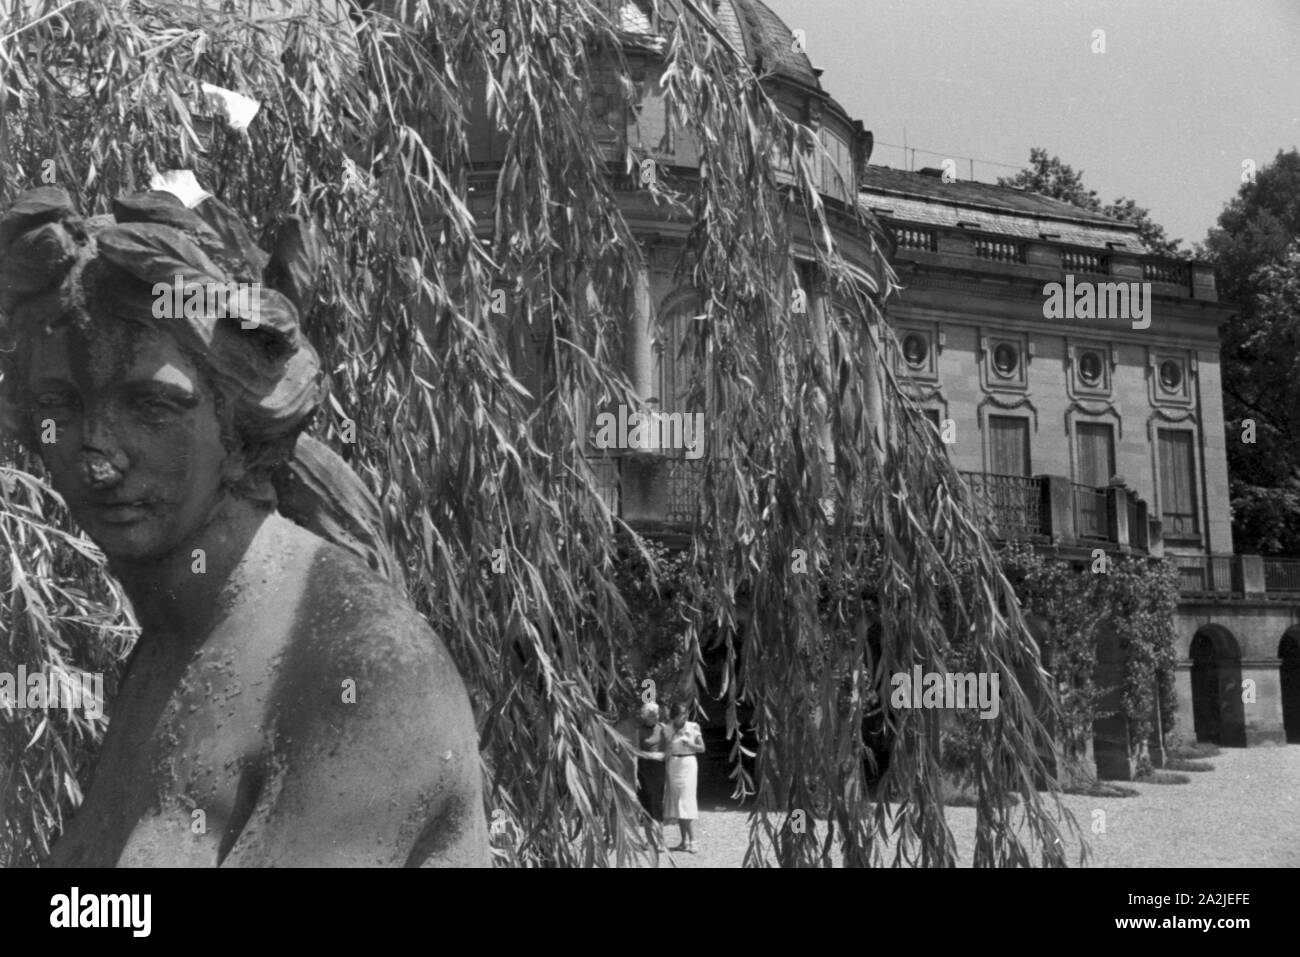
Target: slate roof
(928, 200)
(754, 30)
(768, 39)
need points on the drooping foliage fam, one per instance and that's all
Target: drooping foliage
(62, 617)
(366, 124)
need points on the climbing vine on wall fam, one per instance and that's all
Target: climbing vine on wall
(1134, 595)
(1142, 596)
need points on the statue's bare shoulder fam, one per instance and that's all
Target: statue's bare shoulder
(372, 744)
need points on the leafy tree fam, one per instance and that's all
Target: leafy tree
(365, 127)
(1263, 412)
(1151, 233)
(1253, 249)
(1256, 228)
(1048, 176)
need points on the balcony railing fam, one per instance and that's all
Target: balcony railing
(1089, 512)
(1010, 503)
(1168, 271)
(1194, 279)
(685, 484)
(911, 237)
(1204, 574)
(1282, 575)
(1079, 261)
(1238, 576)
(999, 250)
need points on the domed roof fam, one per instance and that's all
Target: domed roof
(768, 43)
(749, 25)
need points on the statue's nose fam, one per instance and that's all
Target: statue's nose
(99, 471)
(103, 460)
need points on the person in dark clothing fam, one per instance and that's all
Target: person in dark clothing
(652, 750)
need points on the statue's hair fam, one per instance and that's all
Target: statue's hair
(58, 268)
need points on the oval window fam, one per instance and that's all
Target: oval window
(1171, 375)
(915, 350)
(1090, 368)
(1006, 359)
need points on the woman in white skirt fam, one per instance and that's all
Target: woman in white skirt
(683, 773)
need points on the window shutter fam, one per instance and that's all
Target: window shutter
(1177, 483)
(1096, 443)
(1008, 445)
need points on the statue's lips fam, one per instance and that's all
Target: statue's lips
(121, 512)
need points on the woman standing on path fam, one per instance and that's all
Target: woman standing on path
(652, 752)
(685, 743)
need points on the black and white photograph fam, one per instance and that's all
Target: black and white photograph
(652, 434)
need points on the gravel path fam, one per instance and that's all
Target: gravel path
(1244, 813)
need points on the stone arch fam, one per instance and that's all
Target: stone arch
(1217, 711)
(1288, 650)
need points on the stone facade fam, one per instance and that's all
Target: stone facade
(974, 273)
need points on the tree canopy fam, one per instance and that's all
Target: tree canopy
(1048, 176)
(1255, 249)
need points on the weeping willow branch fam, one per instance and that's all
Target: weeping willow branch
(477, 447)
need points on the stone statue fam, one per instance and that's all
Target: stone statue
(285, 705)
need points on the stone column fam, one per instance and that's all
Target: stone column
(1117, 529)
(639, 353)
(1248, 575)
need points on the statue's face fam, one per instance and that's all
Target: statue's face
(137, 449)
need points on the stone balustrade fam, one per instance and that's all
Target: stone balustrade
(1169, 276)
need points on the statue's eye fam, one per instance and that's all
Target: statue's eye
(153, 405)
(54, 401)
(160, 401)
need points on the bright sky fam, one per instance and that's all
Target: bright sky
(1186, 91)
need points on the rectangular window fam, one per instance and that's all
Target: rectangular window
(1096, 444)
(1178, 484)
(1008, 445)
(837, 166)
